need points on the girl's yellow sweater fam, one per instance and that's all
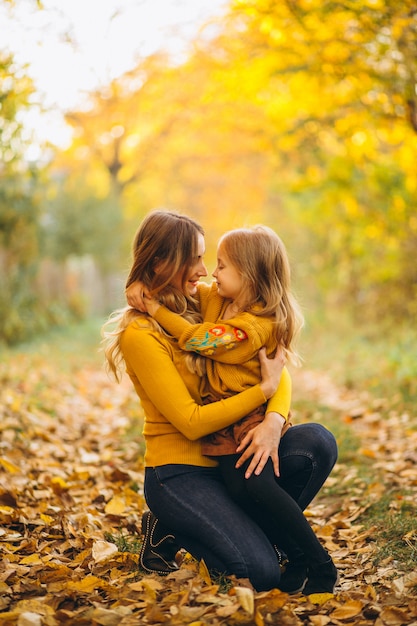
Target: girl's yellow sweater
(170, 396)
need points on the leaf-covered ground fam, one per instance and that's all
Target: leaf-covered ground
(71, 499)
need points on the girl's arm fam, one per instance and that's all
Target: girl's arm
(147, 356)
(219, 341)
(226, 342)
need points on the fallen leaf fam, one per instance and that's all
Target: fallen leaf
(103, 550)
(348, 609)
(246, 599)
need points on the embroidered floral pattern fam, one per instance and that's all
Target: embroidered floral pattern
(218, 337)
(218, 331)
(240, 334)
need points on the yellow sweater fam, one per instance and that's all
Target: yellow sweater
(169, 394)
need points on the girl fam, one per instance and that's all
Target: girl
(251, 306)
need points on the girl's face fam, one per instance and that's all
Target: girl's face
(196, 271)
(229, 279)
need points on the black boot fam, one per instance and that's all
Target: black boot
(159, 548)
(282, 557)
(322, 578)
(294, 577)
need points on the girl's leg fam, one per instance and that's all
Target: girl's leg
(285, 525)
(290, 524)
(233, 478)
(194, 504)
(307, 454)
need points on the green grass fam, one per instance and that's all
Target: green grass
(125, 542)
(380, 359)
(395, 529)
(67, 347)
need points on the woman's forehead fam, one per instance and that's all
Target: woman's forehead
(201, 245)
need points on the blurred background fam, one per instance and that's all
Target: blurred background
(300, 114)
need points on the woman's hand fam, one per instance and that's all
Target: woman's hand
(271, 370)
(261, 443)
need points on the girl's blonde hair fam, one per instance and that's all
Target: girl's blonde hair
(165, 246)
(260, 257)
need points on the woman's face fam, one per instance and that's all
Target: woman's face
(196, 271)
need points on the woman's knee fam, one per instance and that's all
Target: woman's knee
(313, 441)
(324, 445)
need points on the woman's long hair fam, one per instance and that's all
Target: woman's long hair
(260, 257)
(165, 247)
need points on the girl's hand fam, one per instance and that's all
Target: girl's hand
(135, 296)
(261, 443)
(271, 370)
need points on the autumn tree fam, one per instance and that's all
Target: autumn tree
(294, 113)
(338, 84)
(19, 210)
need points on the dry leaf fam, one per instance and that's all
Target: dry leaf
(71, 486)
(348, 609)
(116, 506)
(246, 599)
(29, 619)
(103, 550)
(204, 573)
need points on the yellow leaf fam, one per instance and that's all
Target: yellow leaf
(87, 584)
(259, 620)
(246, 599)
(115, 506)
(271, 601)
(46, 518)
(320, 598)
(59, 484)
(149, 582)
(9, 467)
(8, 512)
(204, 573)
(32, 559)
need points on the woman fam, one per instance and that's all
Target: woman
(182, 487)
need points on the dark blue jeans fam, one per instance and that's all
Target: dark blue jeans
(193, 503)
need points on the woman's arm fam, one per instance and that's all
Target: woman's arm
(149, 362)
(261, 443)
(280, 402)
